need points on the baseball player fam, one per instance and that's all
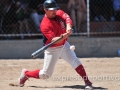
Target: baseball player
(56, 23)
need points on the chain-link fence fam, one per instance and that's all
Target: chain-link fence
(20, 19)
(105, 17)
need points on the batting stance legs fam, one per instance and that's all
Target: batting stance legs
(50, 59)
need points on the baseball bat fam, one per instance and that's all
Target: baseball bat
(39, 51)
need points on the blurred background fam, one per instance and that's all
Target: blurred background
(20, 19)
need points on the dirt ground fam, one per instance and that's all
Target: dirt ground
(103, 72)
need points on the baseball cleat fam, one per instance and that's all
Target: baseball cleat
(88, 86)
(22, 78)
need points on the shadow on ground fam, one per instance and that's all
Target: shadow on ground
(73, 87)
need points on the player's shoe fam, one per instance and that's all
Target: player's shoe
(22, 78)
(88, 86)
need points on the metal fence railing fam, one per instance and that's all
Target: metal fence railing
(17, 19)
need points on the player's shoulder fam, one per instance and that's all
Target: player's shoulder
(45, 21)
(60, 12)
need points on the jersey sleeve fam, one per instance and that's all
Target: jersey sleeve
(47, 32)
(64, 16)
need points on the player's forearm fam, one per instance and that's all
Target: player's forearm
(55, 38)
(64, 36)
(69, 28)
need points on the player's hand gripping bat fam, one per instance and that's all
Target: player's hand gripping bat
(39, 51)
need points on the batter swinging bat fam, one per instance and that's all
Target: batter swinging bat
(39, 51)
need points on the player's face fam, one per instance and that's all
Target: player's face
(50, 13)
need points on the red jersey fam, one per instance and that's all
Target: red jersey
(54, 27)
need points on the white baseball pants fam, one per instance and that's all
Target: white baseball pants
(52, 54)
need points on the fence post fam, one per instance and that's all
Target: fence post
(88, 19)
